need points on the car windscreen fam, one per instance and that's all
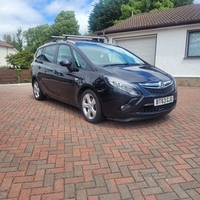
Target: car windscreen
(107, 55)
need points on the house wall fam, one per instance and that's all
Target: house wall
(170, 49)
(4, 51)
(170, 54)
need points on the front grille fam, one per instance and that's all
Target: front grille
(152, 109)
(162, 91)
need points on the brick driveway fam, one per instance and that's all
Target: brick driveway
(48, 151)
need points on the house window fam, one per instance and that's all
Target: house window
(193, 46)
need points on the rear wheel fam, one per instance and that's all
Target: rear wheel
(91, 107)
(37, 91)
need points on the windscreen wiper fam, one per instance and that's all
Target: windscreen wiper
(117, 64)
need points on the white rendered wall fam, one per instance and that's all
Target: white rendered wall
(170, 53)
(4, 51)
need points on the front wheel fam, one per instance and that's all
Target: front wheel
(91, 107)
(37, 91)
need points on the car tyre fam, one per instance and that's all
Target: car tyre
(91, 107)
(38, 94)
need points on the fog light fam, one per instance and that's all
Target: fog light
(125, 107)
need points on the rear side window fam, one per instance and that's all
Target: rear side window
(49, 53)
(39, 55)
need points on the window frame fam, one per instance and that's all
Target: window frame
(189, 32)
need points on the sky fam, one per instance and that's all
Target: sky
(25, 14)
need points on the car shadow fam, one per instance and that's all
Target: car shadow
(136, 123)
(107, 122)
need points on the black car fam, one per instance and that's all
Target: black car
(103, 80)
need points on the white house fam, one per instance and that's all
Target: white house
(5, 49)
(168, 39)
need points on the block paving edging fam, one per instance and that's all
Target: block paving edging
(48, 151)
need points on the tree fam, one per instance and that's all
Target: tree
(16, 39)
(141, 6)
(21, 59)
(109, 12)
(8, 38)
(178, 3)
(19, 39)
(65, 23)
(37, 36)
(104, 13)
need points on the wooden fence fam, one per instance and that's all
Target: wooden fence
(8, 76)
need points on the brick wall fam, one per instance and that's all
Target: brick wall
(8, 76)
(188, 81)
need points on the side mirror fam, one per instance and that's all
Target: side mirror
(67, 63)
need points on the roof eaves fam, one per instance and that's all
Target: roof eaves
(149, 27)
(4, 44)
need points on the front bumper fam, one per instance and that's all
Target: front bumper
(138, 108)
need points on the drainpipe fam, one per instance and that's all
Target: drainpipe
(105, 36)
(6, 55)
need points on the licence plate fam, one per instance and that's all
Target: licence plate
(163, 101)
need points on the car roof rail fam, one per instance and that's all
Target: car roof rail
(55, 38)
(93, 38)
(86, 37)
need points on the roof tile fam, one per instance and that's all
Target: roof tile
(171, 17)
(4, 44)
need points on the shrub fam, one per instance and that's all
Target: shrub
(21, 59)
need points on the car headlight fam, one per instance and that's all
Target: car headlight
(123, 85)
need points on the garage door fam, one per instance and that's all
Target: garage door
(144, 47)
